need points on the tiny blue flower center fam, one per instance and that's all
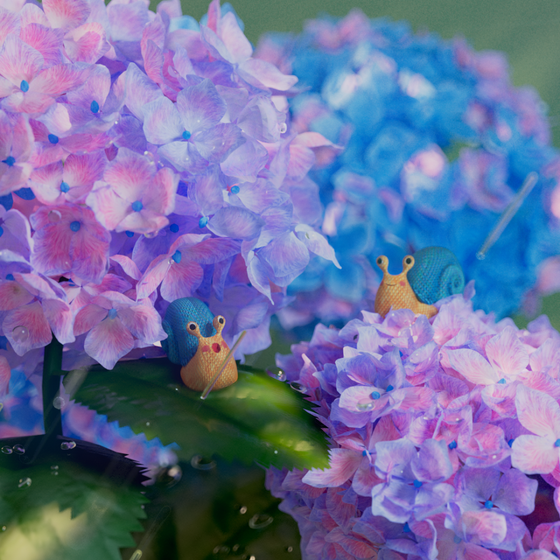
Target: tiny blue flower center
(203, 221)
(75, 226)
(502, 381)
(177, 256)
(10, 277)
(557, 443)
(389, 388)
(24, 86)
(1, 231)
(64, 187)
(137, 206)
(94, 106)
(488, 504)
(129, 233)
(452, 445)
(186, 135)
(406, 528)
(375, 395)
(174, 228)
(364, 453)
(510, 442)
(112, 313)
(417, 484)
(9, 161)
(235, 189)
(457, 539)
(53, 138)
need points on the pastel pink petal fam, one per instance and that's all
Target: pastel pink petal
(9, 23)
(89, 251)
(358, 399)
(31, 13)
(342, 465)
(96, 88)
(234, 40)
(259, 119)
(88, 44)
(128, 265)
(155, 31)
(31, 102)
(391, 454)
(80, 170)
(59, 79)
(45, 182)
(5, 376)
(538, 412)
(365, 478)
(129, 174)
(109, 341)
(235, 222)
(26, 328)
(546, 356)
(544, 383)
(144, 221)
(258, 71)
(183, 156)
(39, 286)
(162, 123)
(45, 40)
(214, 44)
(212, 250)
(160, 198)
(501, 398)
(110, 209)
(153, 276)
(534, 455)
(208, 190)
(474, 552)
(484, 527)
(144, 322)
(311, 140)
(61, 319)
(51, 251)
(140, 90)
(128, 20)
(506, 352)
(6, 87)
(415, 398)
(19, 61)
(66, 13)
(301, 161)
(200, 106)
(182, 280)
(13, 295)
(472, 366)
(539, 555)
(216, 143)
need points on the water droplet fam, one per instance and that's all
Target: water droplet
(147, 423)
(235, 548)
(58, 402)
(260, 521)
(3, 528)
(171, 476)
(7, 450)
(243, 510)
(276, 452)
(283, 128)
(136, 555)
(54, 216)
(216, 549)
(202, 464)
(298, 387)
(290, 549)
(1, 406)
(252, 557)
(281, 375)
(24, 482)
(19, 449)
(66, 445)
(20, 335)
(365, 406)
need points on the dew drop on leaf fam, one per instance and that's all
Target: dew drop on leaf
(24, 482)
(298, 387)
(3, 528)
(243, 510)
(260, 521)
(66, 445)
(290, 549)
(19, 449)
(202, 464)
(170, 476)
(7, 450)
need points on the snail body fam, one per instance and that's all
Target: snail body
(436, 274)
(194, 341)
(395, 292)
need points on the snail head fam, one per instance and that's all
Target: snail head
(407, 263)
(219, 323)
(194, 330)
(383, 263)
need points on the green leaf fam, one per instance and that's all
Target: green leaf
(60, 509)
(256, 419)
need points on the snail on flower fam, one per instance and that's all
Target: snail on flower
(428, 276)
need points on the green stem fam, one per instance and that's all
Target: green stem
(52, 370)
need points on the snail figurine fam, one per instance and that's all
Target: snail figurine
(194, 340)
(428, 276)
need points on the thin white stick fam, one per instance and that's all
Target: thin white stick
(508, 214)
(228, 357)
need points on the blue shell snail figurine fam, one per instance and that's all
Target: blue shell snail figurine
(194, 340)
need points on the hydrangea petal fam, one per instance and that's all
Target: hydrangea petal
(27, 328)
(161, 121)
(506, 352)
(181, 280)
(472, 366)
(342, 465)
(19, 61)
(538, 412)
(534, 454)
(200, 106)
(144, 322)
(60, 318)
(516, 493)
(66, 13)
(108, 341)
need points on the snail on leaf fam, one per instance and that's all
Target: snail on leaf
(428, 276)
(194, 340)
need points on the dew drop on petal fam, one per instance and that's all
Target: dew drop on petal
(202, 464)
(7, 450)
(290, 549)
(67, 445)
(20, 334)
(365, 406)
(24, 482)
(298, 387)
(260, 521)
(19, 449)
(281, 375)
(283, 128)
(54, 216)
(58, 402)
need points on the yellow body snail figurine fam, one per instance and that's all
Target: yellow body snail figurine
(395, 291)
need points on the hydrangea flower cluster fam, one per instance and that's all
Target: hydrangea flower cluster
(144, 158)
(437, 428)
(437, 145)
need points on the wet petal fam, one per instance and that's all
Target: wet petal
(12, 295)
(109, 341)
(26, 328)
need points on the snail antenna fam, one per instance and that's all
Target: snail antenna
(508, 214)
(228, 357)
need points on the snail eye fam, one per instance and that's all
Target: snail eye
(408, 260)
(192, 326)
(221, 320)
(379, 260)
